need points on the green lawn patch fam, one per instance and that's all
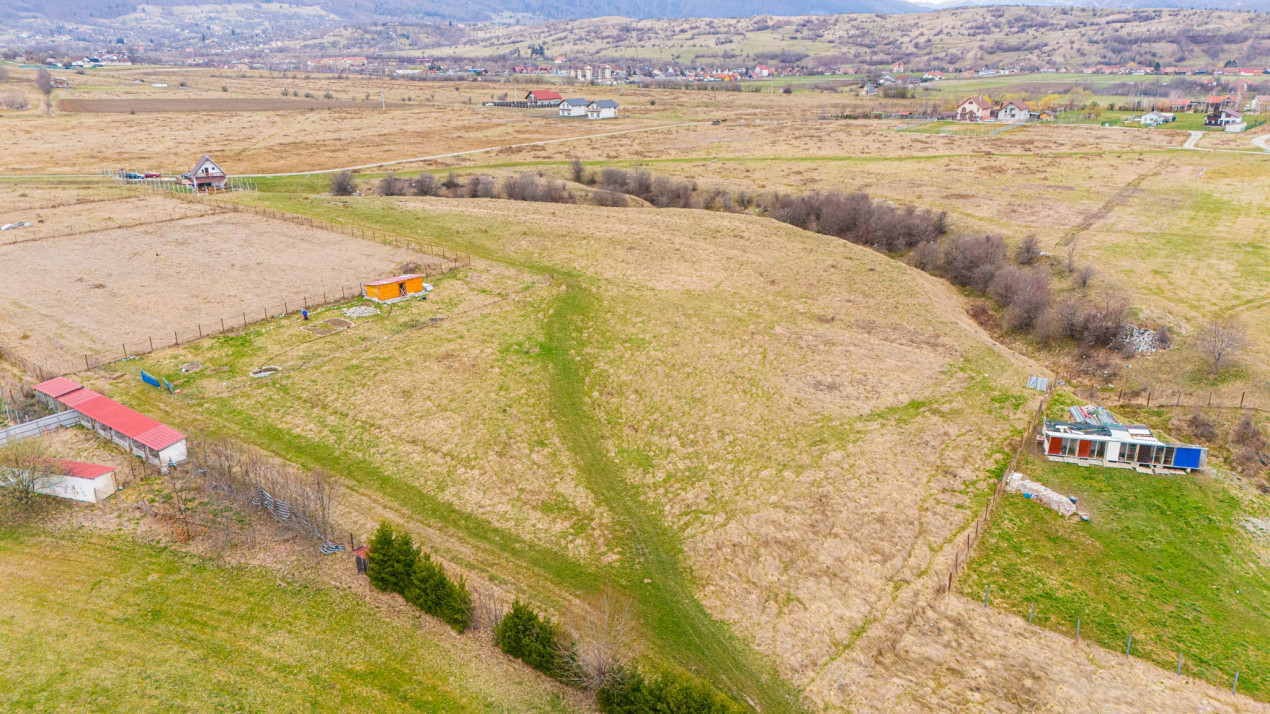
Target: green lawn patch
(1165, 559)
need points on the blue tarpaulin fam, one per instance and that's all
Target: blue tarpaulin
(168, 385)
(150, 379)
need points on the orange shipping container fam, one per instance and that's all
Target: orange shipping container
(397, 288)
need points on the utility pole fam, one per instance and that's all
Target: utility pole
(383, 103)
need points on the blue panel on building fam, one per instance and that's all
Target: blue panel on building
(1187, 458)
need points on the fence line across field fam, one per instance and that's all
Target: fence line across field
(1128, 645)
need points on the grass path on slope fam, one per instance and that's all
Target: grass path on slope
(651, 567)
(681, 629)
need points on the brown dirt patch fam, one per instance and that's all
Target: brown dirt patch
(129, 285)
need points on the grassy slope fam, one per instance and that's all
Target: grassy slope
(1164, 559)
(679, 626)
(108, 623)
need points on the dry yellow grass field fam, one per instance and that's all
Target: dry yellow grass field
(809, 424)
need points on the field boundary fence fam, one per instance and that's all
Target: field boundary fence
(1078, 635)
(241, 320)
(211, 210)
(962, 555)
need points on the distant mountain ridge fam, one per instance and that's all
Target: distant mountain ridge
(419, 10)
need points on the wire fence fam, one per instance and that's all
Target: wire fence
(1083, 629)
(963, 552)
(155, 216)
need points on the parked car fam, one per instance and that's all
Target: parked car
(153, 174)
(132, 176)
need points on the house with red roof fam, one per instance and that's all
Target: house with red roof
(157, 443)
(76, 480)
(544, 97)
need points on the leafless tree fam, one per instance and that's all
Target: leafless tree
(44, 81)
(603, 639)
(23, 465)
(1028, 251)
(4, 75)
(1071, 255)
(1219, 340)
(1083, 275)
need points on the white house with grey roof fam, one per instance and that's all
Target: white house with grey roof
(602, 109)
(575, 107)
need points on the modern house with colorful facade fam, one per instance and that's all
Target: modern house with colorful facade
(1096, 438)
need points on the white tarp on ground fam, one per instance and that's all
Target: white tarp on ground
(1016, 483)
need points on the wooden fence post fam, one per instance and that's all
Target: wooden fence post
(151, 344)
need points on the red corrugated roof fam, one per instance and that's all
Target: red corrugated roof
(79, 469)
(78, 397)
(542, 94)
(57, 386)
(96, 406)
(130, 423)
(398, 279)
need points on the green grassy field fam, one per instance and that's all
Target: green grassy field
(1165, 559)
(90, 622)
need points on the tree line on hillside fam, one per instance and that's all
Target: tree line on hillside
(595, 655)
(1021, 285)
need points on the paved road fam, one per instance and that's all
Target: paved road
(476, 151)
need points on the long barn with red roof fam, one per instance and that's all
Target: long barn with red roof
(155, 442)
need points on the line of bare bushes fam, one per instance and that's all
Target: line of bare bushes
(521, 187)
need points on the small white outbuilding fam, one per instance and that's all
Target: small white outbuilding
(77, 481)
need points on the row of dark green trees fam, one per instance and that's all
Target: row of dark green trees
(395, 564)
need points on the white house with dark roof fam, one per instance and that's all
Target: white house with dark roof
(575, 107)
(602, 109)
(1013, 112)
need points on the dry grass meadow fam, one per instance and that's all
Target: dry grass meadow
(773, 436)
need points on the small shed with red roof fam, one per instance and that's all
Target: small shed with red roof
(77, 480)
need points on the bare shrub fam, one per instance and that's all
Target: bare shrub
(1248, 463)
(972, 260)
(425, 185)
(451, 182)
(578, 172)
(44, 80)
(928, 257)
(1163, 338)
(1028, 250)
(1247, 434)
(1071, 255)
(1025, 295)
(479, 187)
(13, 99)
(1219, 341)
(612, 199)
(615, 179)
(1083, 275)
(666, 192)
(393, 186)
(530, 187)
(1201, 427)
(343, 184)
